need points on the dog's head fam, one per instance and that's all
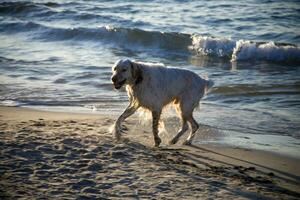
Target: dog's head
(125, 72)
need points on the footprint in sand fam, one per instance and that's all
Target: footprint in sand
(89, 155)
(94, 167)
(30, 155)
(90, 190)
(105, 186)
(50, 149)
(38, 124)
(83, 183)
(72, 142)
(118, 152)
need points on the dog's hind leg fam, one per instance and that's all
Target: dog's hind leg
(195, 127)
(155, 122)
(117, 126)
(184, 128)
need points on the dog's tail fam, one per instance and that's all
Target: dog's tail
(208, 84)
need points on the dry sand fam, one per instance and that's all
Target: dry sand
(48, 155)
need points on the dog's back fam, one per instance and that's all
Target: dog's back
(165, 84)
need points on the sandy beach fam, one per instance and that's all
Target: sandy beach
(64, 66)
(52, 155)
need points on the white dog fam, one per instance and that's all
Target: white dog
(153, 86)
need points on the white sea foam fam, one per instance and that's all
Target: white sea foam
(206, 45)
(245, 49)
(10, 103)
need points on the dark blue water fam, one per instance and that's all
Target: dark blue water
(58, 54)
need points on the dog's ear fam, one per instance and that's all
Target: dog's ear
(136, 71)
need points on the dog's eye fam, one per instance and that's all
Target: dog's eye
(115, 69)
(124, 70)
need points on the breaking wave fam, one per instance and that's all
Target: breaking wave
(138, 39)
(245, 50)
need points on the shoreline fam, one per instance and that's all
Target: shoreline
(278, 144)
(42, 147)
(80, 114)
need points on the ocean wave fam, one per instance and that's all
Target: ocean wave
(125, 37)
(18, 27)
(270, 51)
(245, 50)
(182, 43)
(48, 12)
(255, 90)
(24, 7)
(17, 7)
(210, 46)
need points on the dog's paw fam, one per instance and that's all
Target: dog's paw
(157, 142)
(123, 128)
(173, 141)
(187, 142)
(117, 137)
(116, 131)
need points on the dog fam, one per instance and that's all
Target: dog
(152, 87)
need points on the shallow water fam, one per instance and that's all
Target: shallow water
(58, 54)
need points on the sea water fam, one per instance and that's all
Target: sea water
(57, 55)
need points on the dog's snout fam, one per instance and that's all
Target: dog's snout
(114, 79)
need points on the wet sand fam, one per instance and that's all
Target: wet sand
(51, 155)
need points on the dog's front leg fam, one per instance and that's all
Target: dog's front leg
(117, 129)
(155, 121)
